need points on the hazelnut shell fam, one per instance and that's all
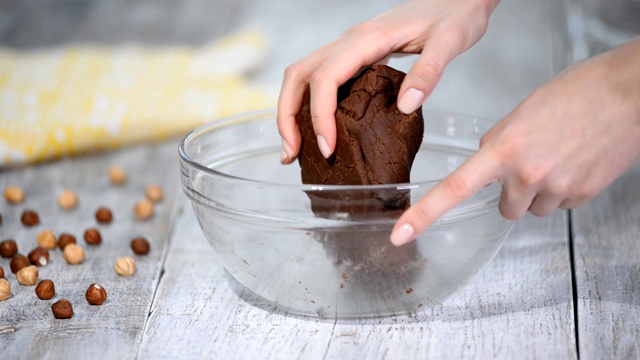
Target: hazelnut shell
(62, 309)
(45, 289)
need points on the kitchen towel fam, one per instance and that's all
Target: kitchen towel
(78, 98)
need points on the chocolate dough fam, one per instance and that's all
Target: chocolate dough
(376, 144)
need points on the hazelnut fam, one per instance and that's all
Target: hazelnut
(45, 289)
(125, 266)
(140, 246)
(96, 294)
(5, 289)
(47, 239)
(18, 262)
(28, 275)
(8, 248)
(154, 193)
(73, 254)
(14, 194)
(103, 215)
(62, 309)
(1, 272)
(117, 176)
(30, 218)
(67, 199)
(92, 237)
(39, 256)
(66, 239)
(143, 209)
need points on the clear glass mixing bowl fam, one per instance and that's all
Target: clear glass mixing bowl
(257, 215)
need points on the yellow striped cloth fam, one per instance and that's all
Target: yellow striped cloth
(78, 98)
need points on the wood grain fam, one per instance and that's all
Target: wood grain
(116, 327)
(519, 306)
(607, 270)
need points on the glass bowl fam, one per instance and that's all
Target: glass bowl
(322, 261)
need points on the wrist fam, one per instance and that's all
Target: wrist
(490, 5)
(486, 6)
(624, 74)
(625, 70)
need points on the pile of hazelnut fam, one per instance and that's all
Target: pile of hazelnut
(25, 268)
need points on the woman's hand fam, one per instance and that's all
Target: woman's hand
(560, 147)
(439, 30)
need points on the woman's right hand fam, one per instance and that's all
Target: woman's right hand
(438, 30)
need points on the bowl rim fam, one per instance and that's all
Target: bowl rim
(258, 114)
(476, 204)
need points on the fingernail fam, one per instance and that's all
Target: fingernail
(286, 150)
(402, 235)
(323, 146)
(410, 100)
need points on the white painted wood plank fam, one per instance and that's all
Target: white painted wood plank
(520, 306)
(607, 262)
(27, 326)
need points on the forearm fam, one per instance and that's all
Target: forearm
(621, 77)
(625, 60)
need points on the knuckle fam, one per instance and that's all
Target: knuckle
(511, 145)
(456, 187)
(560, 187)
(316, 121)
(318, 77)
(360, 30)
(507, 213)
(373, 33)
(535, 212)
(566, 204)
(424, 215)
(584, 193)
(454, 29)
(294, 71)
(507, 148)
(367, 29)
(540, 212)
(429, 71)
(533, 175)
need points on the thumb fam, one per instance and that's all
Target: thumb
(423, 77)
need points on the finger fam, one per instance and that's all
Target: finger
(477, 172)
(294, 84)
(287, 126)
(572, 203)
(359, 50)
(515, 199)
(383, 61)
(544, 204)
(438, 51)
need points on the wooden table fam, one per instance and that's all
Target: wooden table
(561, 287)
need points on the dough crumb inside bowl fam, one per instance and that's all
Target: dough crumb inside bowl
(257, 215)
